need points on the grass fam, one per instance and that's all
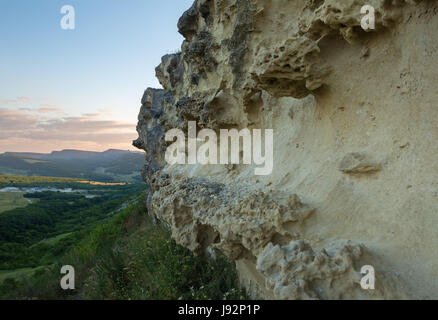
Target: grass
(12, 200)
(131, 258)
(18, 273)
(56, 239)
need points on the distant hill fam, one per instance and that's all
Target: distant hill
(110, 165)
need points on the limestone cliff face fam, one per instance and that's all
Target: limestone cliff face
(355, 120)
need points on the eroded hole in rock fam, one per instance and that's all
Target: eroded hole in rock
(280, 239)
(206, 236)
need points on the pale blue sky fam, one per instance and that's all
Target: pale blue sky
(100, 68)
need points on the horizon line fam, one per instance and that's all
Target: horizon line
(80, 150)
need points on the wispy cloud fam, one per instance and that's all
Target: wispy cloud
(25, 130)
(49, 109)
(24, 99)
(8, 103)
(14, 102)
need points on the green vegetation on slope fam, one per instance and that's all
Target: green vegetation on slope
(23, 230)
(130, 257)
(17, 273)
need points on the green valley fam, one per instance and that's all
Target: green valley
(104, 231)
(56, 216)
(126, 255)
(110, 165)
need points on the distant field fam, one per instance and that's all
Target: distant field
(5, 178)
(34, 161)
(12, 200)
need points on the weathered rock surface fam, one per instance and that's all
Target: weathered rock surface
(359, 163)
(354, 114)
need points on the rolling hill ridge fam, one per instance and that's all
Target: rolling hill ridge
(110, 165)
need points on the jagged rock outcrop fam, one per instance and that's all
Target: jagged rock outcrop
(355, 129)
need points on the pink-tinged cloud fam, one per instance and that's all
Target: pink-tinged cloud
(8, 103)
(24, 99)
(21, 131)
(13, 102)
(49, 110)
